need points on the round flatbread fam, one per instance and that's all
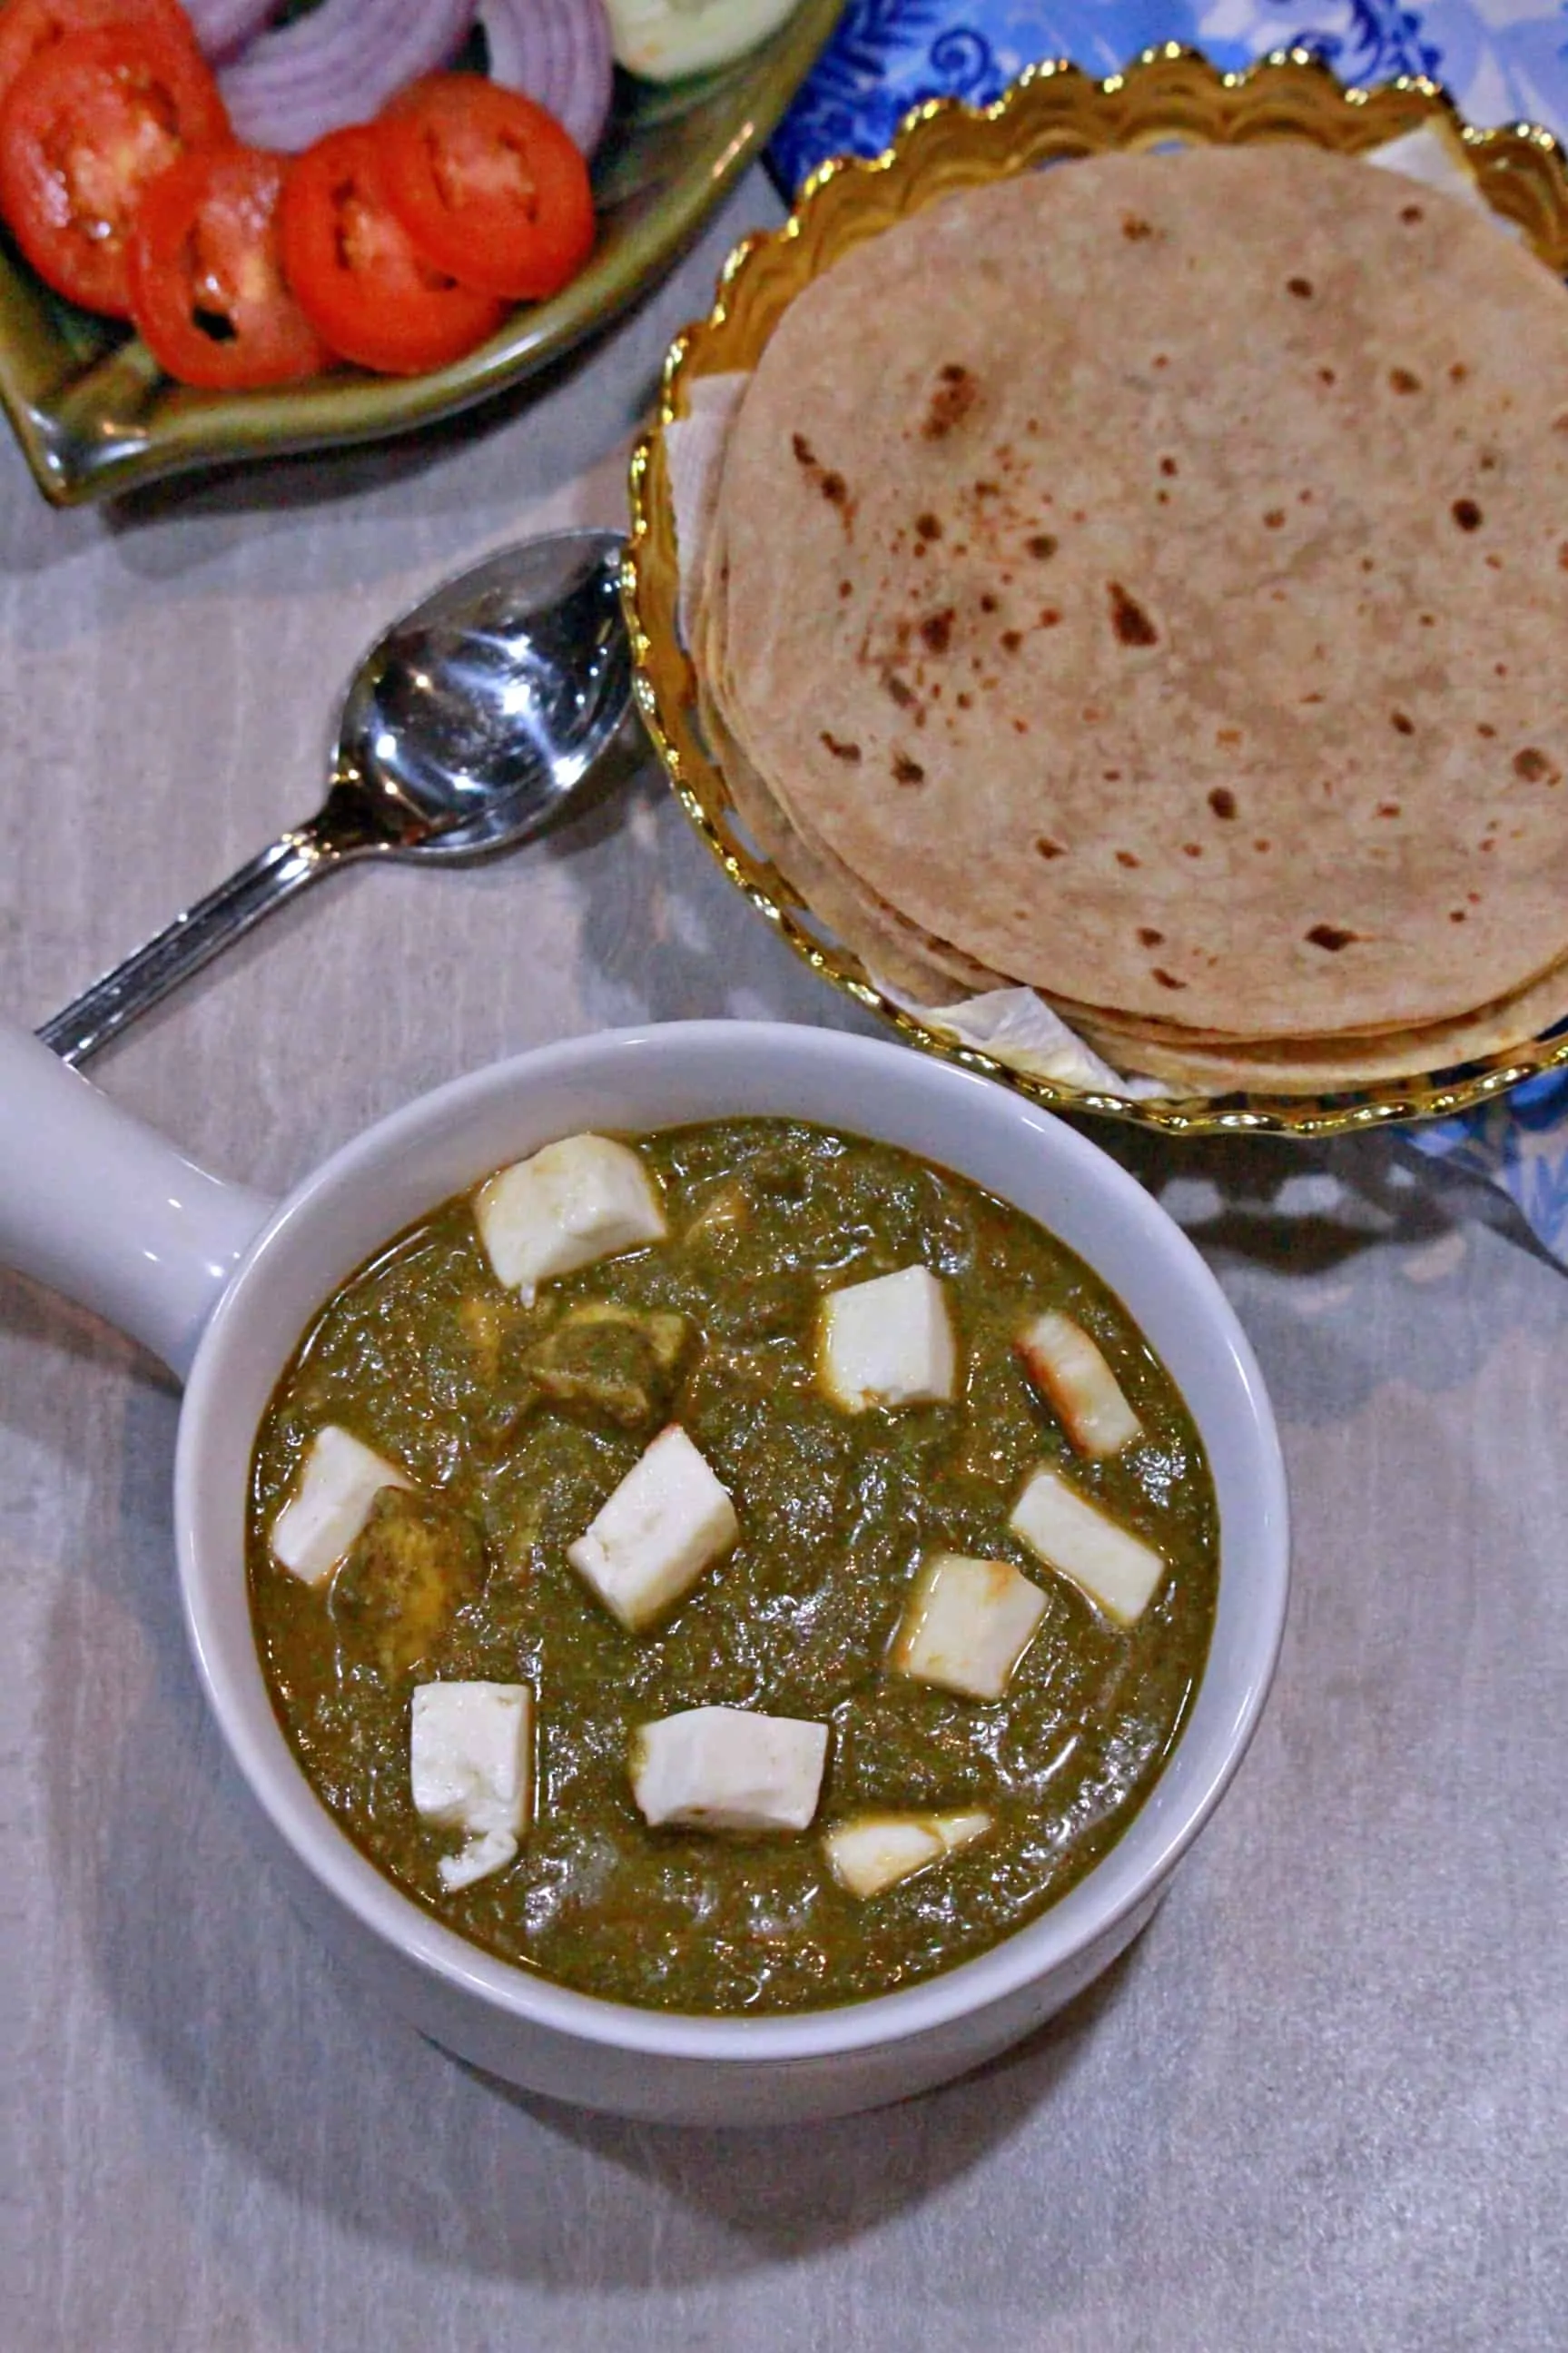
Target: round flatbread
(1149, 577)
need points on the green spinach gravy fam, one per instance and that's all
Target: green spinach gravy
(515, 1423)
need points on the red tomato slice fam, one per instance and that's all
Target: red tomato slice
(356, 272)
(83, 128)
(28, 26)
(489, 185)
(207, 292)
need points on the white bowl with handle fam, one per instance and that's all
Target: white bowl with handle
(222, 1283)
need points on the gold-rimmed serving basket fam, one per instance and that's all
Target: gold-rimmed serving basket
(1054, 112)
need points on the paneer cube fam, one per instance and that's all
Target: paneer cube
(650, 1541)
(729, 1769)
(1069, 1369)
(876, 1851)
(471, 1766)
(888, 1342)
(340, 1481)
(967, 1624)
(583, 1198)
(1118, 1570)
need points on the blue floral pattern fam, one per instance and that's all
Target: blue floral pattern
(1502, 59)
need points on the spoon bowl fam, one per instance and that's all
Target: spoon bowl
(476, 720)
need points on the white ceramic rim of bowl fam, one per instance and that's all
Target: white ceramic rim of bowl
(1212, 1741)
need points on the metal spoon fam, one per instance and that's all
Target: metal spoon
(473, 724)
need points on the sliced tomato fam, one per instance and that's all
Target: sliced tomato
(356, 272)
(208, 291)
(28, 26)
(489, 185)
(83, 128)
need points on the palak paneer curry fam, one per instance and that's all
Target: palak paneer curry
(743, 1569)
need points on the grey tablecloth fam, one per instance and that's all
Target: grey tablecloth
(1320, 2103)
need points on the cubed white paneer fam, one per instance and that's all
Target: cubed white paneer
(1116, 1569)
(1068, 1368)
(583, 1198)
(888, 1342)
(667, 1521)
(470, 1767)
(967, 1624)
(729, 1769)
(340, 1480)
(876, 1851)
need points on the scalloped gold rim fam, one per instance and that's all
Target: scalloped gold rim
(1053, 110)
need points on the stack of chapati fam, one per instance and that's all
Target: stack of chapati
(1146, 581)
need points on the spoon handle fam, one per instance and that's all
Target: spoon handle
(182, 947)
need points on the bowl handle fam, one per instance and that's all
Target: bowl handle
(106, 1210)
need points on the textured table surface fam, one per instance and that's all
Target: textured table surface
(1320, 2103)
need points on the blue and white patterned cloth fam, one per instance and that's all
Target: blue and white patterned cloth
(1504, 60)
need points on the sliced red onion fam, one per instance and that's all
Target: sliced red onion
(557, 52)
(339, 64)
(222, 27)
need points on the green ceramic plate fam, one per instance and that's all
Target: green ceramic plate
(94, 416)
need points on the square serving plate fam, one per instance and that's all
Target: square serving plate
(95, 416)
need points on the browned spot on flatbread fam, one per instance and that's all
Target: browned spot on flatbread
(828, 481)
(951, 398)
(1404, 379)
(1135, 229)
(1222, 800)
(907, 771)
(1042, 545)
(1167, 979)
(936, 630)
(1329, 936)
(1127, 617)
(840, 750)
(1534, 766)
(1466, 515)
(1300, 287)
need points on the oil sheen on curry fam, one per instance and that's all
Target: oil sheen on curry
(742, 1568)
